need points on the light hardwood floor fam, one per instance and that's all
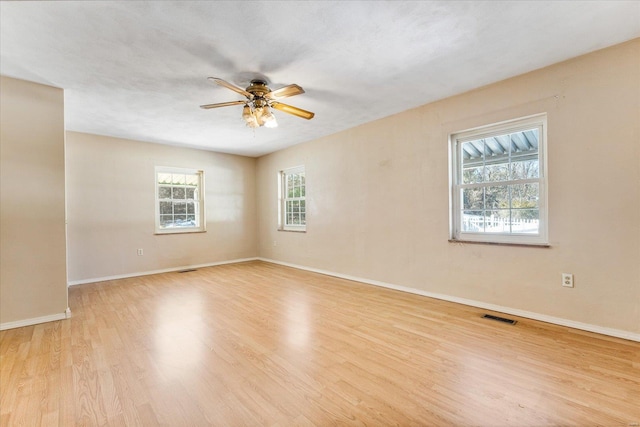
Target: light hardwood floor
(257, 344)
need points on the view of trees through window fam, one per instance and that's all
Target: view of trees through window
(295, 208)
(178, 196)
(500, 183)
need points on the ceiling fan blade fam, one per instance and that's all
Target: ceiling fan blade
(284, 92)
(293, 110)
(230, 86)
(222, 104)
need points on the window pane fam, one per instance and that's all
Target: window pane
(166, 220)
(178, 193)
(166, 208)
(496, 147)
(497, 170)
(164, 192)
(190, 193)
(472, 175)
(472, 221)
(524, 169)
(525, 221)
(472, 198)
(496, 158)
(496, 197)
(192, 180)
(472, 153)
(164, 178)
(191, 208)
(180, 220)
(179, 208)
(525, 141)
(525, 195)
(497, 221)
(178, 179)
(525, 213)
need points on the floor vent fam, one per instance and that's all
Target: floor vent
(500, 319)
(188, 270)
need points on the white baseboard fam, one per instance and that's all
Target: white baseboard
(35, 320)
(147, 273)
(618, 333)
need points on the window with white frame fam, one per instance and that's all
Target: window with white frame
(179, 200)
(292, 196)
(498, 183)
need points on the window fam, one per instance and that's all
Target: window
(499, 183)
(292, 206)
(179, 200)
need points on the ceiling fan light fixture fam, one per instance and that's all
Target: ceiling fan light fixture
(246, 113)
(252, 123)
(260, 100)
(249, 117)
(257, 113)
(268, 118)
(258, 116)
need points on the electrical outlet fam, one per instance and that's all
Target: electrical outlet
(275, 243)
(140, 252)
(567, 280)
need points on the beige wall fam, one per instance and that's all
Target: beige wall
(378, 197)
(33, 276)
(110, 202)
(378, 200)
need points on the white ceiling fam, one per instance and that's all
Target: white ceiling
(138, 69)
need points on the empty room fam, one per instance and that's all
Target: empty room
(317, 213)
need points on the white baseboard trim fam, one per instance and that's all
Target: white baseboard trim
(35, 320)
(618, 333)
(147, 273)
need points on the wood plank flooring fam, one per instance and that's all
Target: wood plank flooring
(256, 344)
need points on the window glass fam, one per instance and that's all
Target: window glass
(293, 203)
(498, 184)
(179, 205)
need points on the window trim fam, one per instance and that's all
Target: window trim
(282, 200)
(456, 139)
(201, 205)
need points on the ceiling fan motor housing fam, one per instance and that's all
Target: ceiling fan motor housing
(258, 88)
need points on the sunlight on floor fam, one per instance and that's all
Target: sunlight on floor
(179, 342)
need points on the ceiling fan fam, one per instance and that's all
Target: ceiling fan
(260, 100)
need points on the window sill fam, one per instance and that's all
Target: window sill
(292, 231)
(526, 245)
(162, 233)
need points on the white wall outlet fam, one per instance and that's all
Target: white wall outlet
(567, 280)
(140, 252)
(275, 243)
